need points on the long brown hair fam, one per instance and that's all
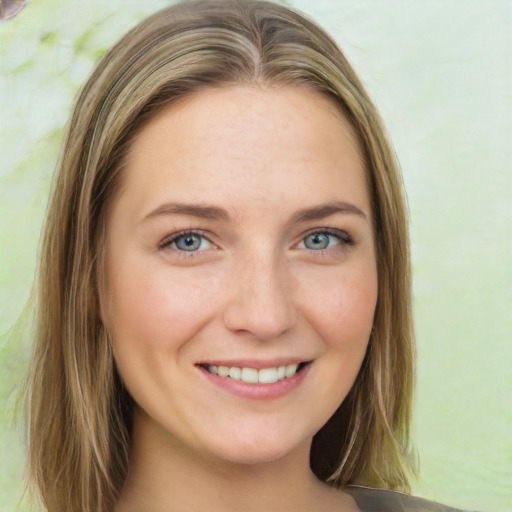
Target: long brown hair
(79, 411)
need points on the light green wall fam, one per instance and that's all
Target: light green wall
(441, 73)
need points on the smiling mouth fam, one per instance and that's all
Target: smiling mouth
(256, 376)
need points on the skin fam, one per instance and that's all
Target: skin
(254, 287)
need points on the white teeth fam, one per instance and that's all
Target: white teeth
(291, 369)
(254, 376)
(235, 373)
(267, 375)
(250, 375)
(223, 371)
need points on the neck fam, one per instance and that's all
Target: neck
(166, 476)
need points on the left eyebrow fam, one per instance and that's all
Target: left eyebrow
(325, 210)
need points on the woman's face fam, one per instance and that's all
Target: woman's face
(241, 241)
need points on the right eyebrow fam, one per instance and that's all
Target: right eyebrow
(202, 211)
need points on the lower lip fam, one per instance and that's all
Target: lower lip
(257, 391)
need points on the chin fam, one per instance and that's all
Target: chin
(254, 456)
(260, 448)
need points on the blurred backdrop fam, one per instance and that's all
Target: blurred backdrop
(441, 74)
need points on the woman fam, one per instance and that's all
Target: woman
(224, 315)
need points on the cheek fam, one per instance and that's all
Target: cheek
(342, 306)
(341, 310)
(157, 306)
(154, 311)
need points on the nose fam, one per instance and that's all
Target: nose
(260, 299)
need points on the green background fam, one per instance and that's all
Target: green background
(441, 73)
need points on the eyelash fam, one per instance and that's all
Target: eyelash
(343, 237)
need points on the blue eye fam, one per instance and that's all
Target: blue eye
(322, 240)
(188, 242)
(319, 241)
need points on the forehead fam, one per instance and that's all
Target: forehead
(246, 145)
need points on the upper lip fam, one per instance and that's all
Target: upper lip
(254, 363)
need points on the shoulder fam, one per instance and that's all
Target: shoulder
(382, 500)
